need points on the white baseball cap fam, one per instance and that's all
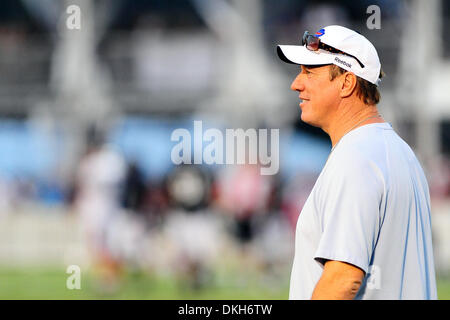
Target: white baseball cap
(358, 55)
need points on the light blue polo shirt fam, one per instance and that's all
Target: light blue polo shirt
(370, 207)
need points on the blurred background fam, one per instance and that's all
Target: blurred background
(86, 117)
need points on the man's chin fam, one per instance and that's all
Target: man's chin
(307, 119)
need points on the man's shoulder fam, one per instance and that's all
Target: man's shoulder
(365, 147)
(359, 159)
(355, 155)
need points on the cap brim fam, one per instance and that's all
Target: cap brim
(301, 55)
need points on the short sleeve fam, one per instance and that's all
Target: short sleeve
(349, 205)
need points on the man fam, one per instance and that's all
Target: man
(365, 229)
(99, 178)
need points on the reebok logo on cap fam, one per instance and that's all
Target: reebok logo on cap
(342, 62)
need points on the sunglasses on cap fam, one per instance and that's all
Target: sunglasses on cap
(313, 43)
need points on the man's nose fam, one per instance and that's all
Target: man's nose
(297, 84)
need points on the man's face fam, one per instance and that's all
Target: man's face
(320, 95)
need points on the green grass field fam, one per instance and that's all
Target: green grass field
(51, 284)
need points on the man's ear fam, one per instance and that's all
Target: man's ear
(348, 85)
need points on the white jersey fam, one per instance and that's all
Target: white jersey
(99, 177)
(370, 207)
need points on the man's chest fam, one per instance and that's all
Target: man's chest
(308, 230)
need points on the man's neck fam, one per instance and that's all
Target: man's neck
(350, 119)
